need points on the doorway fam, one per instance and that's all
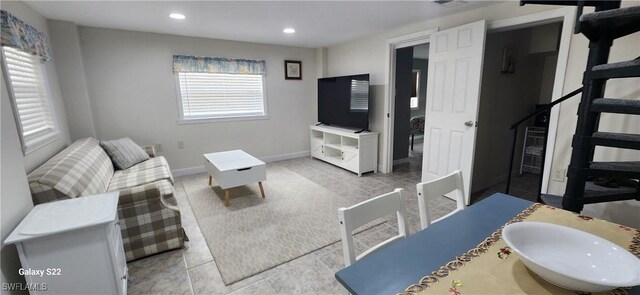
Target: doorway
(518, 77)
(455, 133)
(410, 97)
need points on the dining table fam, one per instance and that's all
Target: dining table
(397, 267)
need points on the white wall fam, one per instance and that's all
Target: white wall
(548, 74)
(132, 91)
(368, 55)
(68, 56)
(545, 38)
(15, 198)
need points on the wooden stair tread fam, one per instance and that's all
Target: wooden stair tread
(611, 13)
(619, 140)
(629, 169)
(619, 106)
(632, 166)
(610, 24)
(624, 69)
(593, 190)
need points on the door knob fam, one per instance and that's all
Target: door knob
(468, 123)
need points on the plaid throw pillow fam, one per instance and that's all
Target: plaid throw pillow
(124, 152)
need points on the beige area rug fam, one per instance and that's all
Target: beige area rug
(253, 234)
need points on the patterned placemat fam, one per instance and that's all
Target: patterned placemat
(492, 268)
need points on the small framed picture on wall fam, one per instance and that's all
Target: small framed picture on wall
(292, 70)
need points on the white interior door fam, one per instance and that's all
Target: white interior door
(453, 94)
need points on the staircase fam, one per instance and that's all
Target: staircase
(597, 182)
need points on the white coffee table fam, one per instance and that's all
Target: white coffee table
(234, 168)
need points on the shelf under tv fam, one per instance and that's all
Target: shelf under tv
(356, 152)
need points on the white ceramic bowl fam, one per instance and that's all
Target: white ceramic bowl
(572, 259)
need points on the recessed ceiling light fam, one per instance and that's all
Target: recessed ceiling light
(177, 16)
(289, 30)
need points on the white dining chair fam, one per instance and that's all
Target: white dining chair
(364, 212)
(451, 183)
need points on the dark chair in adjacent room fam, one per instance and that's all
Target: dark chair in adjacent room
(416, 126)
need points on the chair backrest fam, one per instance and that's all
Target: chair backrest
(362, 213)
(451, 183)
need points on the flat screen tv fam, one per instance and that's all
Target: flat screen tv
(344, 101)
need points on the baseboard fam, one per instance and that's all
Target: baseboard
(188, 171)
(283, 157)
(268, 159)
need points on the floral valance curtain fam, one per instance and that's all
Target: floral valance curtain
(204, 64)
(21, 36)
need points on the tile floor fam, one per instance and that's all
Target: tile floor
(192, 270)
(523, 186)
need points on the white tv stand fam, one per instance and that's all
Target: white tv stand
(356, 152)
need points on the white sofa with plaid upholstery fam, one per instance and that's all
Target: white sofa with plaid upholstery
(147, 209)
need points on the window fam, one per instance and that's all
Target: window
(30, 99)
(414, 102)
(415, 89)
(221, 96)
(220, 89)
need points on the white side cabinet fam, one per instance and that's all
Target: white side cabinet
(356, 152)
(72, 247)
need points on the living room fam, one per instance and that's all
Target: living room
(112, 79)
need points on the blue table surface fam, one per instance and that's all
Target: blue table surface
(405, 262)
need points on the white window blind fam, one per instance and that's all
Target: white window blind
(215, 95)
(31, 103)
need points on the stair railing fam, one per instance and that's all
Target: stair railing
(544, 109)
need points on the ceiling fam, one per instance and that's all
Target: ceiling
(317, 23)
